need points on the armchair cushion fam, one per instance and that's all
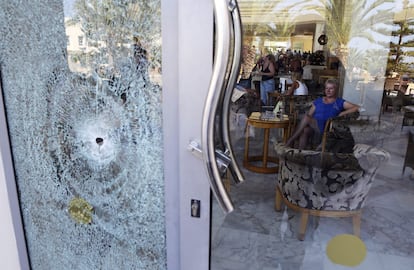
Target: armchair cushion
(338, 137)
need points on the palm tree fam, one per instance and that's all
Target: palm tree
(274, 19)
(403, 40)
(271, 30)
(372, 60)
(346, 20)
(269, 26)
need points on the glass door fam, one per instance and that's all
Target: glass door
(107, 172)
(82, 94)
(365, 47)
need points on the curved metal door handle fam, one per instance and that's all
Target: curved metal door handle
(221, 57)
(234, 72)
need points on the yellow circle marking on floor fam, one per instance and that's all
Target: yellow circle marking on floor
(346, 249)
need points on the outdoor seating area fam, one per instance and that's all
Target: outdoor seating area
(396, 96)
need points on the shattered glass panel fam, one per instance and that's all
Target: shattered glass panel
(82, 89)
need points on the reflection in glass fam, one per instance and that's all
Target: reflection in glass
(366, 46)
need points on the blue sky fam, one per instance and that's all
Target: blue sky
(68, 7)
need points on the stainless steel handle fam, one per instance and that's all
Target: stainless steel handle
(221, 57)
(234, 72)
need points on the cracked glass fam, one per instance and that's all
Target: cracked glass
(82, 89)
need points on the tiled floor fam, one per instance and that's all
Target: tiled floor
(255, 237)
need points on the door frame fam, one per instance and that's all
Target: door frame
(187, 33)
(13, 250)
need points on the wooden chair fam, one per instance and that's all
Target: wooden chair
(337, 128)
(408, 116)
(390, 84)
(392, 98)
(301, 104)
(272, 98)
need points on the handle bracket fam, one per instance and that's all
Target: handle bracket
(222, 159)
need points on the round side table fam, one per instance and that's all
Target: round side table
(262, 163)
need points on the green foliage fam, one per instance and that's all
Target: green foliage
(355, 18)
(116, 22)
(403, 39)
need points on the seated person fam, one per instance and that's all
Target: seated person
(322, 109)
(298, 86)
(404, 80)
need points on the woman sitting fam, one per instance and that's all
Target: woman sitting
(298, 87)
(322, 109)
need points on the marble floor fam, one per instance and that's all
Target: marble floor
(255, 237)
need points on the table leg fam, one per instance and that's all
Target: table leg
(266, 146)
(285, 134)
(246, 144)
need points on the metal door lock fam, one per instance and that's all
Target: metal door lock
(195, 208)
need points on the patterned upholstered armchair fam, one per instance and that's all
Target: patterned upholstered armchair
(326, 184)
